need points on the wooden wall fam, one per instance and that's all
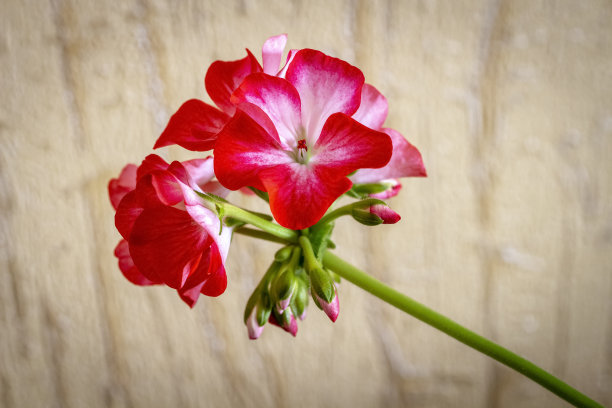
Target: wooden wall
(510, 103)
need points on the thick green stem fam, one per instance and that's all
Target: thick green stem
(274, 229)
(261, 235)
(455, 330)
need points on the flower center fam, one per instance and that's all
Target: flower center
(302, 151)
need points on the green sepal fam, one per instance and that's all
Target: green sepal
(365, 217)
(261, 194)
(320, 239)
(370, 188)
(284, 253)
(284, 285)
(322, 284)
(300, 299)
(264, 308)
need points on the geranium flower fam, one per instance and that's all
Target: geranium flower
(295, 139)
(195, 125)
(406, 160)
(169, 237)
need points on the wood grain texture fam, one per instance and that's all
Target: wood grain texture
(510, 103)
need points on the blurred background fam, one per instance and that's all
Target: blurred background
(510, 103)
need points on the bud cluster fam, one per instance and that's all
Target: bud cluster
(282, 295)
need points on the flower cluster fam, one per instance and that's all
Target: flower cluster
(300, 135)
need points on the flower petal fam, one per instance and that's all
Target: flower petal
(132, 205)
(164, 243)
(326, 85)
(119, 187)
(150, 164)
(194, 126)
(373, 109)
(278, 99)
(223, 77)
(208, 278)
(346, 145)
(300, 194)
(283, 71)
(272, 53)
(243, 150)
(127, 267)
(405, 162)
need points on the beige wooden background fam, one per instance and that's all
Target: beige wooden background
(510, 103)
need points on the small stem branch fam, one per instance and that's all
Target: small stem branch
(261, 235)
(274, 229)
(455, 330)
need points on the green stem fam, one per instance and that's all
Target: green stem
(455, 330)
(250, 232)
(273, 229)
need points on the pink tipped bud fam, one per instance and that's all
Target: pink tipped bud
(331, 309)
(283, 304)
(385, 213)
(287, 322)
(253, 327)
(292, 326)
(393, 190)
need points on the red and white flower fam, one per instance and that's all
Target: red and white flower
(294, 137)
(195, 125)
(169, 237)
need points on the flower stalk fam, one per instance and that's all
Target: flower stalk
(455, 330)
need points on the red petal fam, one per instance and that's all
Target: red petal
(326, 85)
(405, 162)
(346, 145)
(119, 187)
(132, 205)
(278, 99)
(164, 242)
(208, 278)
(373, 109)
(223, 77)
(150, 164)
(300, 194)
(272, 53)
(127, 267)
(194, 126)
(243, 150)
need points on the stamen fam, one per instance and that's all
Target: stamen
(302, 152)
(302, 144)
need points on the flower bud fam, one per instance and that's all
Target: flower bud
(365, 217)
(285, 320)
(331, 309)
(322, 284)
(300, 299)
(283, 254)
(386, 214)
(253, 326)
(283, 289)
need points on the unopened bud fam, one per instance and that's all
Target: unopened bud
(365, 217)
(331, 309)
(285, 320)
(300, 300)
(393, 189)
(322, 284)
(386, 214)
(283, 288)
(253, 326)
(283, 254)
